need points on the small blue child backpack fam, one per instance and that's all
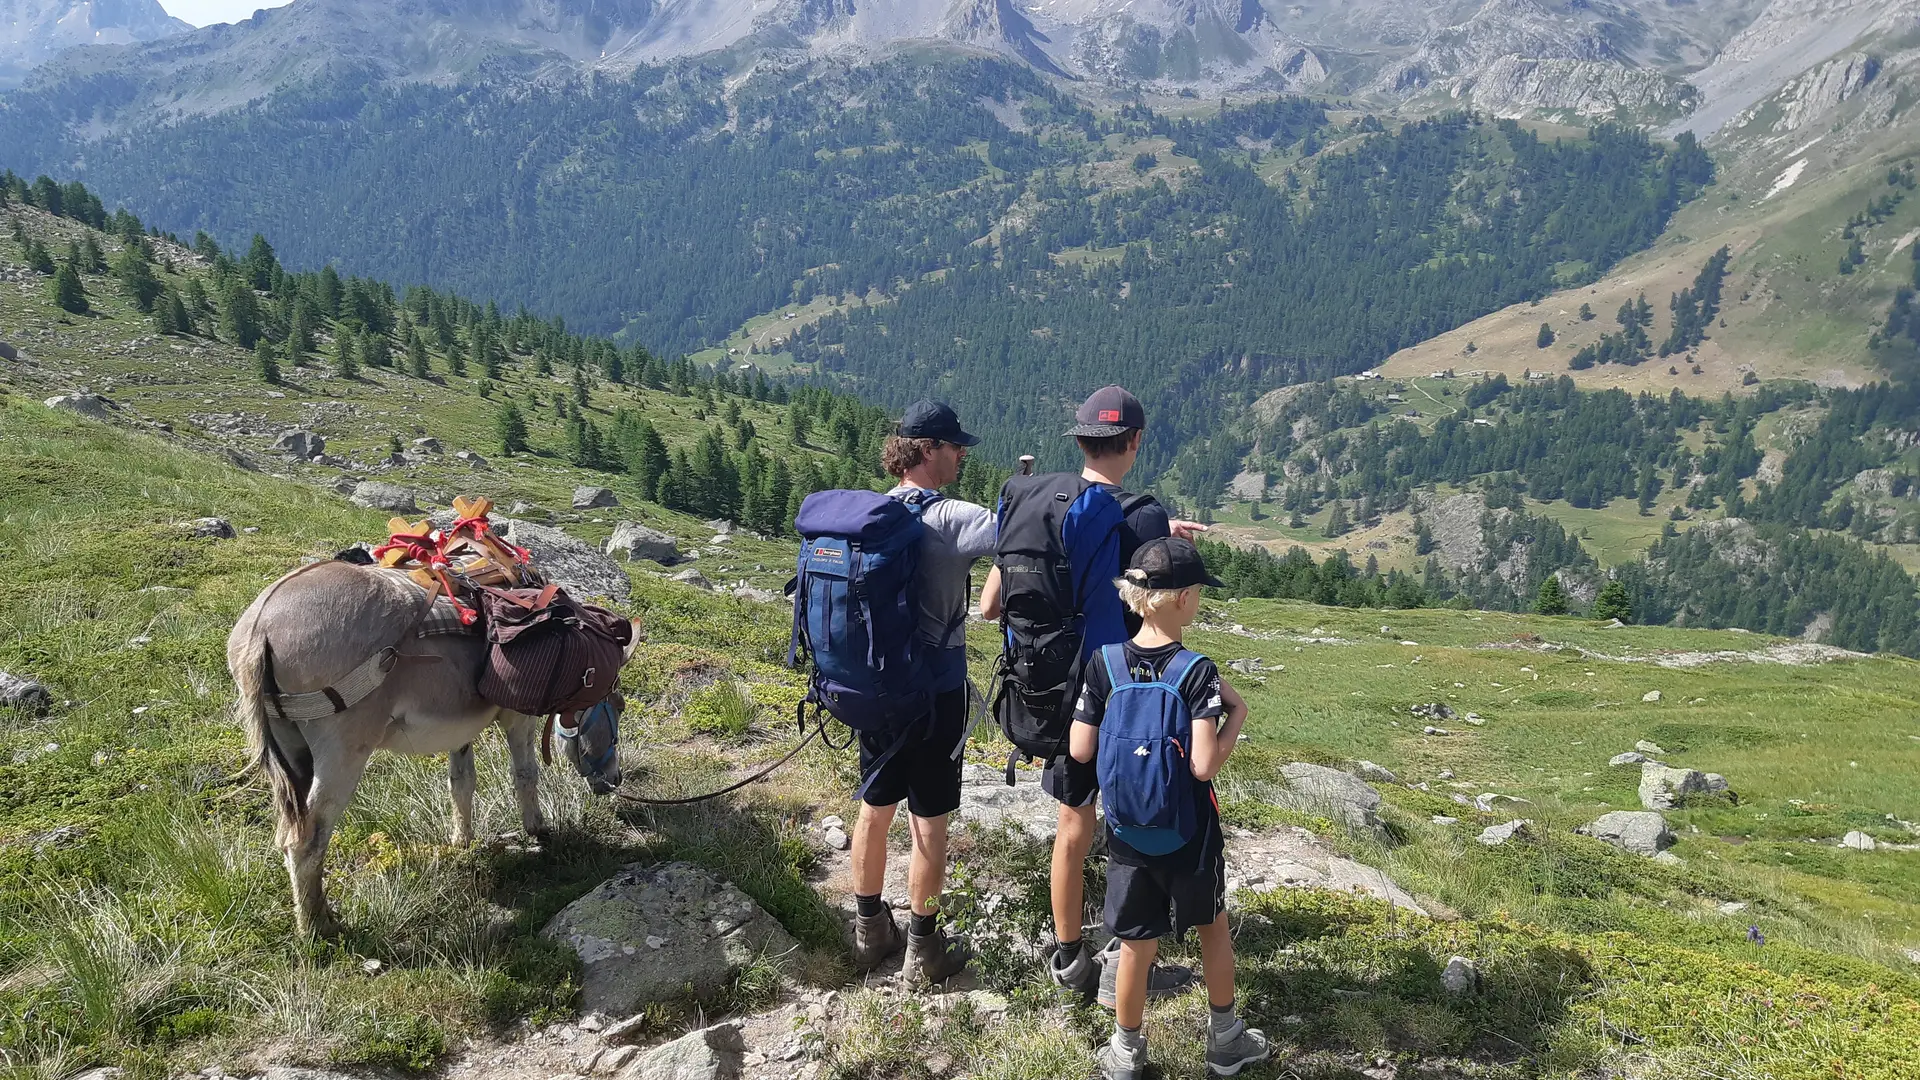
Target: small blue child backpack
(1146, 775)
(855, 613)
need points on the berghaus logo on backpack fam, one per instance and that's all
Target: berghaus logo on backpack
(855, 612)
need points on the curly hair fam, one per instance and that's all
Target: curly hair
(901, 454)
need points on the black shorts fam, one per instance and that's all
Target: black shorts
(1070, 782)
(924, 772)
(1144, 902)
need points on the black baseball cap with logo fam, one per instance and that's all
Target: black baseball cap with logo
(1109, 411)
(934, 420)
(1170, 563)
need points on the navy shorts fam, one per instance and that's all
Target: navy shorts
(1145, 902)
(924, 773)
(1070, 782)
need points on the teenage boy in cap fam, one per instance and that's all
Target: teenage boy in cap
(1108, 426)
(1151, 896)
(924, 455)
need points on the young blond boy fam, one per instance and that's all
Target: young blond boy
(1155, 896)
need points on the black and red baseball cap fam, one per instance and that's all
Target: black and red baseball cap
(1109, 411)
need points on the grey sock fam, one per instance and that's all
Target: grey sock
(1224, 1027)
(1131, 1043)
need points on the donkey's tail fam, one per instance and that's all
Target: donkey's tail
(290, 778)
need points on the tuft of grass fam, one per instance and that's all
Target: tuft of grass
(725, 709)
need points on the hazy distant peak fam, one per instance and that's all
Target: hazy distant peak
(34, 31)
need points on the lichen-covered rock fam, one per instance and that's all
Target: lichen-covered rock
(635, 542)
(1344, 797)
(300, 444)
(1641, 832)
(211, 528)
(588, 498)
(379, 496)
(985, 799)
(573, 564)
(25, 695)
(92, 406)
(1666, 788)
(713, 1053)
(656, 933)
(692, 577)
(1495, 835)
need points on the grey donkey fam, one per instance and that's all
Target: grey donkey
(314, 628)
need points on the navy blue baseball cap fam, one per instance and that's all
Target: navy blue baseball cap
(934, 420)
(1109, 411)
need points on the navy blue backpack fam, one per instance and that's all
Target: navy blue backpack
(1146, 773)
(855, 612)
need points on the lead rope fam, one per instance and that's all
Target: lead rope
(819, 729)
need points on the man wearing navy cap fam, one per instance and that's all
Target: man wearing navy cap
(924, 454)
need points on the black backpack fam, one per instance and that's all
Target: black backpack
(1059, 553)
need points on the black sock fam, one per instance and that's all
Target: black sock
(1069, 952)
(922, 925)
(1226, 1009)
(869, 906)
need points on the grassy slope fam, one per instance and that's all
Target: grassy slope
(155, 934)
(1787, 313)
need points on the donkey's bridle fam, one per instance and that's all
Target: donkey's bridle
(607, 713)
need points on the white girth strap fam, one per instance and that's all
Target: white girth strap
(342, 695)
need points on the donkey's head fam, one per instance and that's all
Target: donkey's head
(594, 746)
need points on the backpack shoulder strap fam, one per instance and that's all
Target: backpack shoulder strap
(1134, 502)
(1179, 668)
(1108, 654)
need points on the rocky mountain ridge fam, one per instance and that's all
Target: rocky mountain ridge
(35, 31)
(1692, 66)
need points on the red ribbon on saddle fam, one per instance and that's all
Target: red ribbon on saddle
(429, 549)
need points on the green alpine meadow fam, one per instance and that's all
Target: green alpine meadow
(1536, 383)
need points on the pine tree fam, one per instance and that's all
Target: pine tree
(1337, 524)
(300, 332)
(580, 385)
(647, 459)
(1552, 599)
(136, 276)
(800, 422)
(511, 429)
(240, 315)
(1586, 312)
(171, 315)
(375, 350)
(417, 356)
(456, 358)
(67, 290)
(1545, 337)
(1614, 602)
(265, 364)
(1422, 538)
(346, 353)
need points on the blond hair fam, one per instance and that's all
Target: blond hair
(1141, 600)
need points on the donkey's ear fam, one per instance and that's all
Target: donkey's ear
(639, 637)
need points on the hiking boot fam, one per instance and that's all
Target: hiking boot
(1081, 976)
(875, 937)
(1248, 1046)
(934, 957)
(1118, 1064)
(1163, 980)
